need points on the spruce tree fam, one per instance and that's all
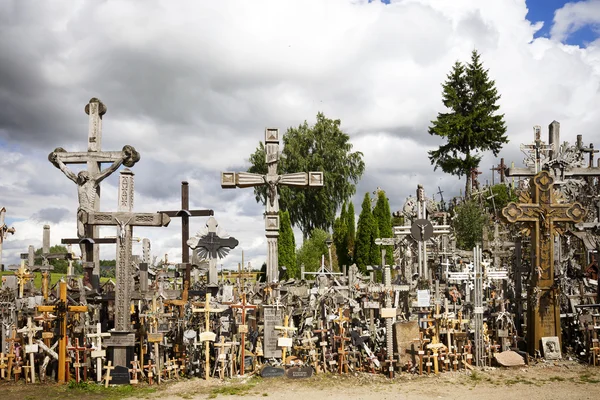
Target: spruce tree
(286, 245)
(367, 229)
(383, 217)
(471, 124)
(351, 235)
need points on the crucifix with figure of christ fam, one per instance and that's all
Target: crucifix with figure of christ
(542, 212)
(272, 180)
(88, 181)
(3, 231)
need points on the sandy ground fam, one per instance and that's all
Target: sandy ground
(554, 381)
(548, 381)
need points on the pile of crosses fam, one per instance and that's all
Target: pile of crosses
(437, 309)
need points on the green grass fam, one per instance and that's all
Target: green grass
(85, 389)
(587, 378)
(233, 390)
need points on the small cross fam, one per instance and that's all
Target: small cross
(108, 377)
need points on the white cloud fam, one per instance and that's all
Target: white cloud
(574, 16)
(193, 86)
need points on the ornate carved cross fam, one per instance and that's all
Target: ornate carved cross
(541, 212)
(273, 180)
(3, 231)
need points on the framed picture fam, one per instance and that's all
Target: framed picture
(551, 348)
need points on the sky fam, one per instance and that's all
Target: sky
(192, 86)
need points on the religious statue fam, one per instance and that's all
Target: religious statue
(87, 184)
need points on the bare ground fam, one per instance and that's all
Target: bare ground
(551, 381)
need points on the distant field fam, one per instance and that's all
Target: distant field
(54, 277)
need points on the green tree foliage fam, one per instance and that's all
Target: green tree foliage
(340, 237)
(322, 147)
(311, 251)
(108, 268)
(365, 251)
(60, 265)
(351, 235)
(468, 224)
(471, 125)
(286, 245)
(383, 217)
(503, 195)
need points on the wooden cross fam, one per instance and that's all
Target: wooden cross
(323, 343)
(501, 168)
(150, 368)
(342, 338)
(285, 342)
(207, 336)
(3, 366)
(98, 354)
(107, 376)
(78, 365)
(23, 276)
(88, 181)
(272, 180)
(62, 310)
(3, 231)
(31, 348)
(541, 212)
(185, 213)
(222, 356)
(134, 370)
(243, 328)
(11, 351)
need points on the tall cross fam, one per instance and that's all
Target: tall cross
(272, 179)
(62, 310)
(474, 178)
(185, 213)
(3, 231)
(124, 219)
(542, 213)
(243, 328)
(212, 246)
(88, 181)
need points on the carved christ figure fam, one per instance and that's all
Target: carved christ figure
(87, 183)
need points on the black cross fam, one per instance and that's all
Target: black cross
(185, 213)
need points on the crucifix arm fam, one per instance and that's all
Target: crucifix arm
(57, 162)
(106, 172)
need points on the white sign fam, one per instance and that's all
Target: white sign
(423, 298)
(285, 342)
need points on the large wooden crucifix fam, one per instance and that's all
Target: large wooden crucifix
(272, 179)
(541, 212)
(88, 181)
(185, 213)
(125, 219)
(3, 231)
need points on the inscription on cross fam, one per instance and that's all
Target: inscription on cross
(88, 181)
(273, 180)
(541, 212)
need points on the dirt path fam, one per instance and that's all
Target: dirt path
(552, 382)
(556, 381)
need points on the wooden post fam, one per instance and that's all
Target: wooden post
(207, 336)
(243, 328)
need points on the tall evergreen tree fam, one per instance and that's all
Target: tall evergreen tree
(312, 250)
(286, 245)
(471, 126)
(340, 237)
(351, 236)
(365, 236)
(383, 217)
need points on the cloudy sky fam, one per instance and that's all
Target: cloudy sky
(192, 85)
